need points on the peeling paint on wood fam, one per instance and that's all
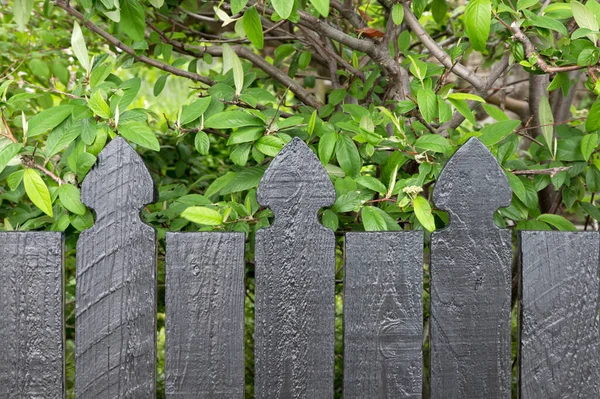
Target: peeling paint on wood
(559, 314)
(295, 272)
(471, 280)
(205, 316)
(31, 315)
(383, 315)
(116, 281)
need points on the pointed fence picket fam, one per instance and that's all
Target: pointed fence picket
(294, 299)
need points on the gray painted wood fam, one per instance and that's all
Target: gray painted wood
(116, 281)
(31, 316)
(559, 314)
(471, 280)
(205, 316)
(294, 280)
(383, 315)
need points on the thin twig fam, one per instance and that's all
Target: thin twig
(551, 171)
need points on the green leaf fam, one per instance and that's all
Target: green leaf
(322, 6)
(372, 221)
(231, 119)
(398, 13)
(159, 85)
(517, 187)
(585, 19)
(496, 132)
(244, 180)
(439, 9)
(253, 27)
(8, 153)
(591, 210)
(269, 145)
(593, 120)
(39, 68)
(547, 122)
(326, 147)
(100, 73)
(347, 155)
(99, 105)
(22, 12)
(70, 198)
(232, 61)
(202, 215)
(79, 47)
(462, 107)
(202, 143)
(522, 4)
(48, 119)
(283, 7)
(557, 221)
(423, 213)
(432, 142)
(330, 220)
(589, 143)
(427, 102)
(478, 15)
(544, 22)
(194, 110)
(132, 19)
(240, 154)
(140, 134)
(466, 96)
(237, 6)
(495, 112)
(37, 191)
(371, 183)
(245, 135)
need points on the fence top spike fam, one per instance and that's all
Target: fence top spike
(119, 179)
(472, 185)
(295, 182)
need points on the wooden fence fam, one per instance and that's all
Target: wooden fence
(294, 316)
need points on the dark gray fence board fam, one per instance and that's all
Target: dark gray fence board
(31, 315)
(559, 314)
(205, 315)
(294, 280)
(383, 315)
(471, 280)
(116, 281)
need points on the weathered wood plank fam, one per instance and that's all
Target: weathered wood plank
(116, 281)
(204, 316)
(31, 315)
(383, 315)
(559, 314)
(294, 280)
(471, 280)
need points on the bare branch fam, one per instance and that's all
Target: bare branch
(551, 171)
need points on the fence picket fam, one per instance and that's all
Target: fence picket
(294, 280)
(204, 316)
(559, 314)
(383, 315)
(31, 315)
(471, 280)
(116, 281)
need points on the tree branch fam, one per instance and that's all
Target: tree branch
(459, 69)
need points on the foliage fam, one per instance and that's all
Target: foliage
(383, 91)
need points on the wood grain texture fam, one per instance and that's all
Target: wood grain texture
(205, 316)
(31, 316)
(383, 315)
(559, 314)
(471, 280)
(116, 281)
(294, 280)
